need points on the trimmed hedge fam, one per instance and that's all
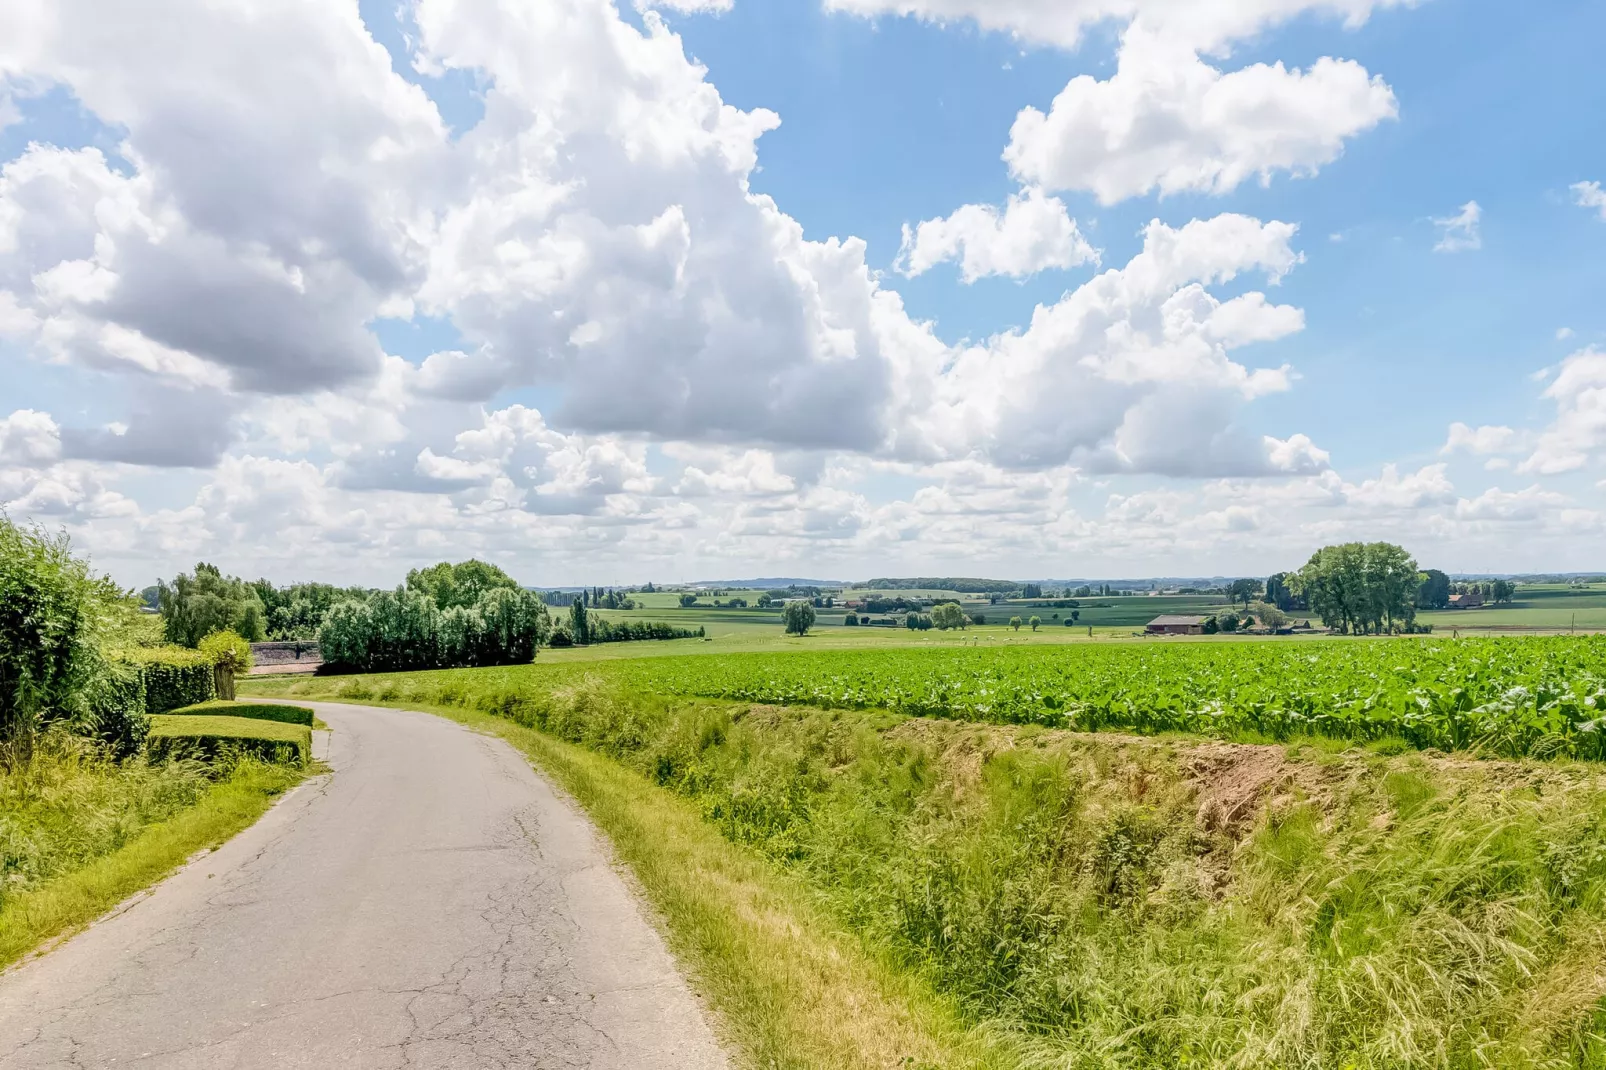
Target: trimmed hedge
(260, 711)
(208, 738)
(171, 676)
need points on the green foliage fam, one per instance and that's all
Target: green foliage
(1511, 696)
(195, 606)
(851, 620)
(227, 650)
(406, 629)
(688, 600)
(70, 805)
(52, 613)
(1074, 895)
(1015, 623)
(948, 616)
(1035, 623)
(463, 585)
(798, 617)
(297, 611)
(215, 739)
(170, 677)
(261, 711)
(579, 623)
(1361, 587)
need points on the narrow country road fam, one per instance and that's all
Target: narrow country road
(431, 904)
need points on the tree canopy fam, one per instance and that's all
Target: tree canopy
(195, 606)
(1361, 588)
(462, 584)
(798, 616)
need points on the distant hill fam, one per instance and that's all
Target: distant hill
(962, 584)
(766, 582)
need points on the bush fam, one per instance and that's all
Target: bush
(170, 676)
(228, 650)
(260, 711)
(50, 664)
(218, 738)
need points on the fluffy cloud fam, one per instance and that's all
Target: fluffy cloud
(1167, 120)
(1033, 233)
(1578, 432)
(1459, 232)
(715, 386)
(1131, 371)
(1483, 440)
(264, 207)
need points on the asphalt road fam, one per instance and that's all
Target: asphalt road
(431, 904)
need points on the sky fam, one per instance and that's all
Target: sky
(608, 293)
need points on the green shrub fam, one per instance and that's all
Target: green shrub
(228, 650)
(220, 738)
(51, 608)
(172, 676)
(260, 711)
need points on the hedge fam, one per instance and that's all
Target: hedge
(208, 738)
(171, 676)
(260, 711)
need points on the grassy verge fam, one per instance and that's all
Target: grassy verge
(1090, 900)
(211, 737)
(793, 990)
(80, 843)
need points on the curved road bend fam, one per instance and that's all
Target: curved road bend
(432, 904)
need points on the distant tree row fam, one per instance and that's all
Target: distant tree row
(446, 616)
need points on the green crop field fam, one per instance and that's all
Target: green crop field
(1514, 696)
(1537, 608)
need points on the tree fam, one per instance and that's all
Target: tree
(1228, 622)
(1031, 590)
(1035, 623)
(765, 601)
(948, 616)
(1243, 590)
(462, 584)
(852, 619)
(1360, 588)
(195, 606)
(1434, 591)
(579, 624)
(1270, 615)
(798, 616)
(1076, 614)
(1015, 622)
(1280, 594)
(688, 600)
(1503, 591)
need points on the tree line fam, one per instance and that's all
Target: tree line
(446, 616)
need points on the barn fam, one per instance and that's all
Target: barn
(1174, 625)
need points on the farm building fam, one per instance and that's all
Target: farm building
(1173, 625)
(1470, 600)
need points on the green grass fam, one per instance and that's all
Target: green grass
(79, 834)
(260, 711)
(1083, 900)
(209, 736)
(1514, 696)
(1537, 608)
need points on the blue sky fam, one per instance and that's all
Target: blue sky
(329, 290)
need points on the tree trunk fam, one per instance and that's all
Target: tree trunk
(223, 682)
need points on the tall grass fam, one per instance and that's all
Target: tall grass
(1072, 892)
(79, 831)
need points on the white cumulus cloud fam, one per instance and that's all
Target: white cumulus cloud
(1033, 233)
(1590, 195)
(1168, 121)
